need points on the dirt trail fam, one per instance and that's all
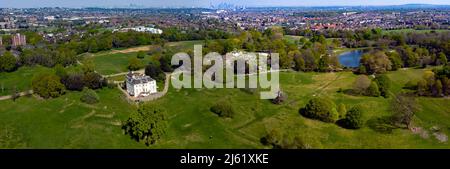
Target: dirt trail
(29, 92)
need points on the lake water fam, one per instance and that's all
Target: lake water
(350, 59)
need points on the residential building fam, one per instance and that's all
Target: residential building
(19, 40)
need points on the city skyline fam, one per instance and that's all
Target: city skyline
(204, 3)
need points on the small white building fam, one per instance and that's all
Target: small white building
(139, 85)
(140, 29)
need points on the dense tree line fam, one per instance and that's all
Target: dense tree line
(435, 83)
(303, 55)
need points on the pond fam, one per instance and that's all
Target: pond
(350, 59)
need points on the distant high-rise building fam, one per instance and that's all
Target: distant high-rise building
(19, 40)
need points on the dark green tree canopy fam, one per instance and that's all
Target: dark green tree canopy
(148, 124)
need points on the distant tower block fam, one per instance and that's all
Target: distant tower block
(19, 40)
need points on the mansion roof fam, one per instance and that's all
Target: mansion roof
(137, 78)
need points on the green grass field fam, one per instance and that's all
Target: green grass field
(21, 79)
(65, 122)
(413, 30)
(107, 64)
(112, 62)
(292, 38)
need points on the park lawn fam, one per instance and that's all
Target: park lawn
(113, 62)
(65, 122)
(21, 79)
(325, 135)
(117, 78)
(107, 64)
(413, 31)
(292, 38)
(182, 46)
(192, 125)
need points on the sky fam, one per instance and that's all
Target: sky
(204, 3)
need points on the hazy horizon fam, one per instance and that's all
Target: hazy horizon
(205, 3)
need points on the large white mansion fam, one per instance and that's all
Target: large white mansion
(139, 85)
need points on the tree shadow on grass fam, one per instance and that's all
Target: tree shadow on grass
(382, 124)
(343, 123)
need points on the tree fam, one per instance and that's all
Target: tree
(395, 59)
(376, 62)
(361, 84)
(134, 64)
(148, 124)
(164, 63)
(354, 118)
(430, 80)
(153, 70)
(8, 62)
(88, 66)
(61, 72)
(47, 86)
(409, 57)
(323, 63)
(384, 84)
(93, 80)
(422, 87)
(141, 55)
(299, 63)
(373, 90)
(223, 109)
(89, 96)
(321, 109)
(74, 82)
(442, 59)
(438, 87)
(404, 108)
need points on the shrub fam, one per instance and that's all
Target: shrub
(141, 55)
(47, 86)
(284, 140)
(354, 118)
(342, 110)
(373, 90)
(89, 96)
(322, 109)
(223, 109)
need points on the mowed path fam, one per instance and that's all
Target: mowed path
(20, 94)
